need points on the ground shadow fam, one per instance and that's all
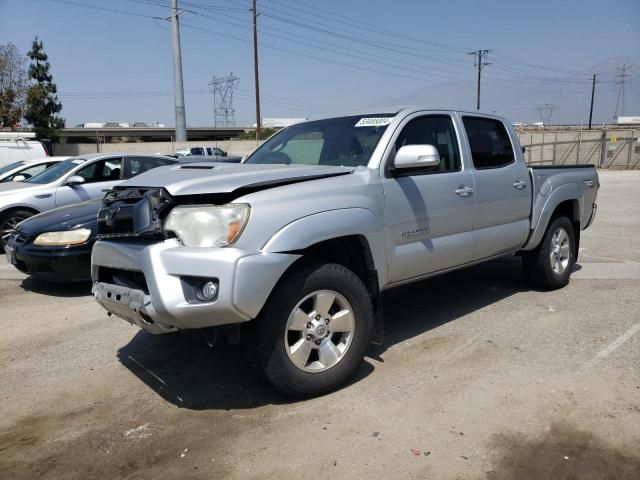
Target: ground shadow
(189, 374)
(44, 287)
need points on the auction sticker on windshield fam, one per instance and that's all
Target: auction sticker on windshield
(374, 122)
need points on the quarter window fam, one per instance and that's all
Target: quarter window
(489, 142)
(436, 130)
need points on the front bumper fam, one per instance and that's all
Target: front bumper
(55, 264)
(163, 302)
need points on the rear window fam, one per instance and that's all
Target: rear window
(489, 142)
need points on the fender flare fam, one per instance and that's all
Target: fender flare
(318, 227)
(567, 192)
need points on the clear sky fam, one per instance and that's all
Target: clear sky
(319, 58)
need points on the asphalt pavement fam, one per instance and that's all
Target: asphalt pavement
(480, 377)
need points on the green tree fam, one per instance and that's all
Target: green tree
(42, 101)
(13, 84)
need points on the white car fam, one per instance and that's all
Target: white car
(25, 169)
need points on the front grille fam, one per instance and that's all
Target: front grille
(133, 213)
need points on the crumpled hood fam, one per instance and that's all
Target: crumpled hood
(210, 177)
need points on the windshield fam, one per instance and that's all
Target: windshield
(53, 173)
(347, 141)
(11, 166)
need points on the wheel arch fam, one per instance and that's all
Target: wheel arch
(353, 252)
(566, 201)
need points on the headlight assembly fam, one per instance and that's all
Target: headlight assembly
(57, 239)
(207, 225)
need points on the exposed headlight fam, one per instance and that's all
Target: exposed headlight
(70, 237)
(207, 225)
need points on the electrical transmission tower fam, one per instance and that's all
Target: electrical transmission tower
(222, 88)
(621, 76)
(480, 61)
(545, 112)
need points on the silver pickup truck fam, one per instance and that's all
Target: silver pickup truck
(293, 247)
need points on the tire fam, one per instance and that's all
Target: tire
(9, 220)
(293, 325)
(549, 266)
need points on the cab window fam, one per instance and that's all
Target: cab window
(436, 130)
(489, 142)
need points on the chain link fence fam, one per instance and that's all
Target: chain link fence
(615, 149)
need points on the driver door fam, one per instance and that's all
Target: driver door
(429, 211)
(98, 176)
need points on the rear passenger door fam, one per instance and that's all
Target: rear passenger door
(502, 188)
(429, 216)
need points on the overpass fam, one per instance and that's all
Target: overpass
(145, 134)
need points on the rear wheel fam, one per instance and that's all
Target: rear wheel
(8, 222)
(549, 266)
(313, 333)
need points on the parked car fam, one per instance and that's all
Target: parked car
(202, 151)
(71, 181)
(15, 147)
(25, 169)
(56, 245)
(296, 244)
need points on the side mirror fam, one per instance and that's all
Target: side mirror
(223, 154)
(416, 156)
(74, 180)
(19, 178)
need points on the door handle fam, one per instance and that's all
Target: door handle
(520, 184)
(464, 191)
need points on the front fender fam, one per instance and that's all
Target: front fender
(307, 231)
(544, 208)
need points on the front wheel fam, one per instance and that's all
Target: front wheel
(313, 333)
(549, 266)
(8, 222)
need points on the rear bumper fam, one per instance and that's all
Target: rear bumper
(166, 299)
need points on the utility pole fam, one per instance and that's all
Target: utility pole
(593, 93)
(181, 123)
(480, 61)
(255, 71)
(621, 76)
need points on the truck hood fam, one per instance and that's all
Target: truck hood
(211, 177)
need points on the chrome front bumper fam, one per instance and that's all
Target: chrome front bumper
(245, 280)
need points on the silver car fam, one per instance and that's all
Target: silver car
(71, 181)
